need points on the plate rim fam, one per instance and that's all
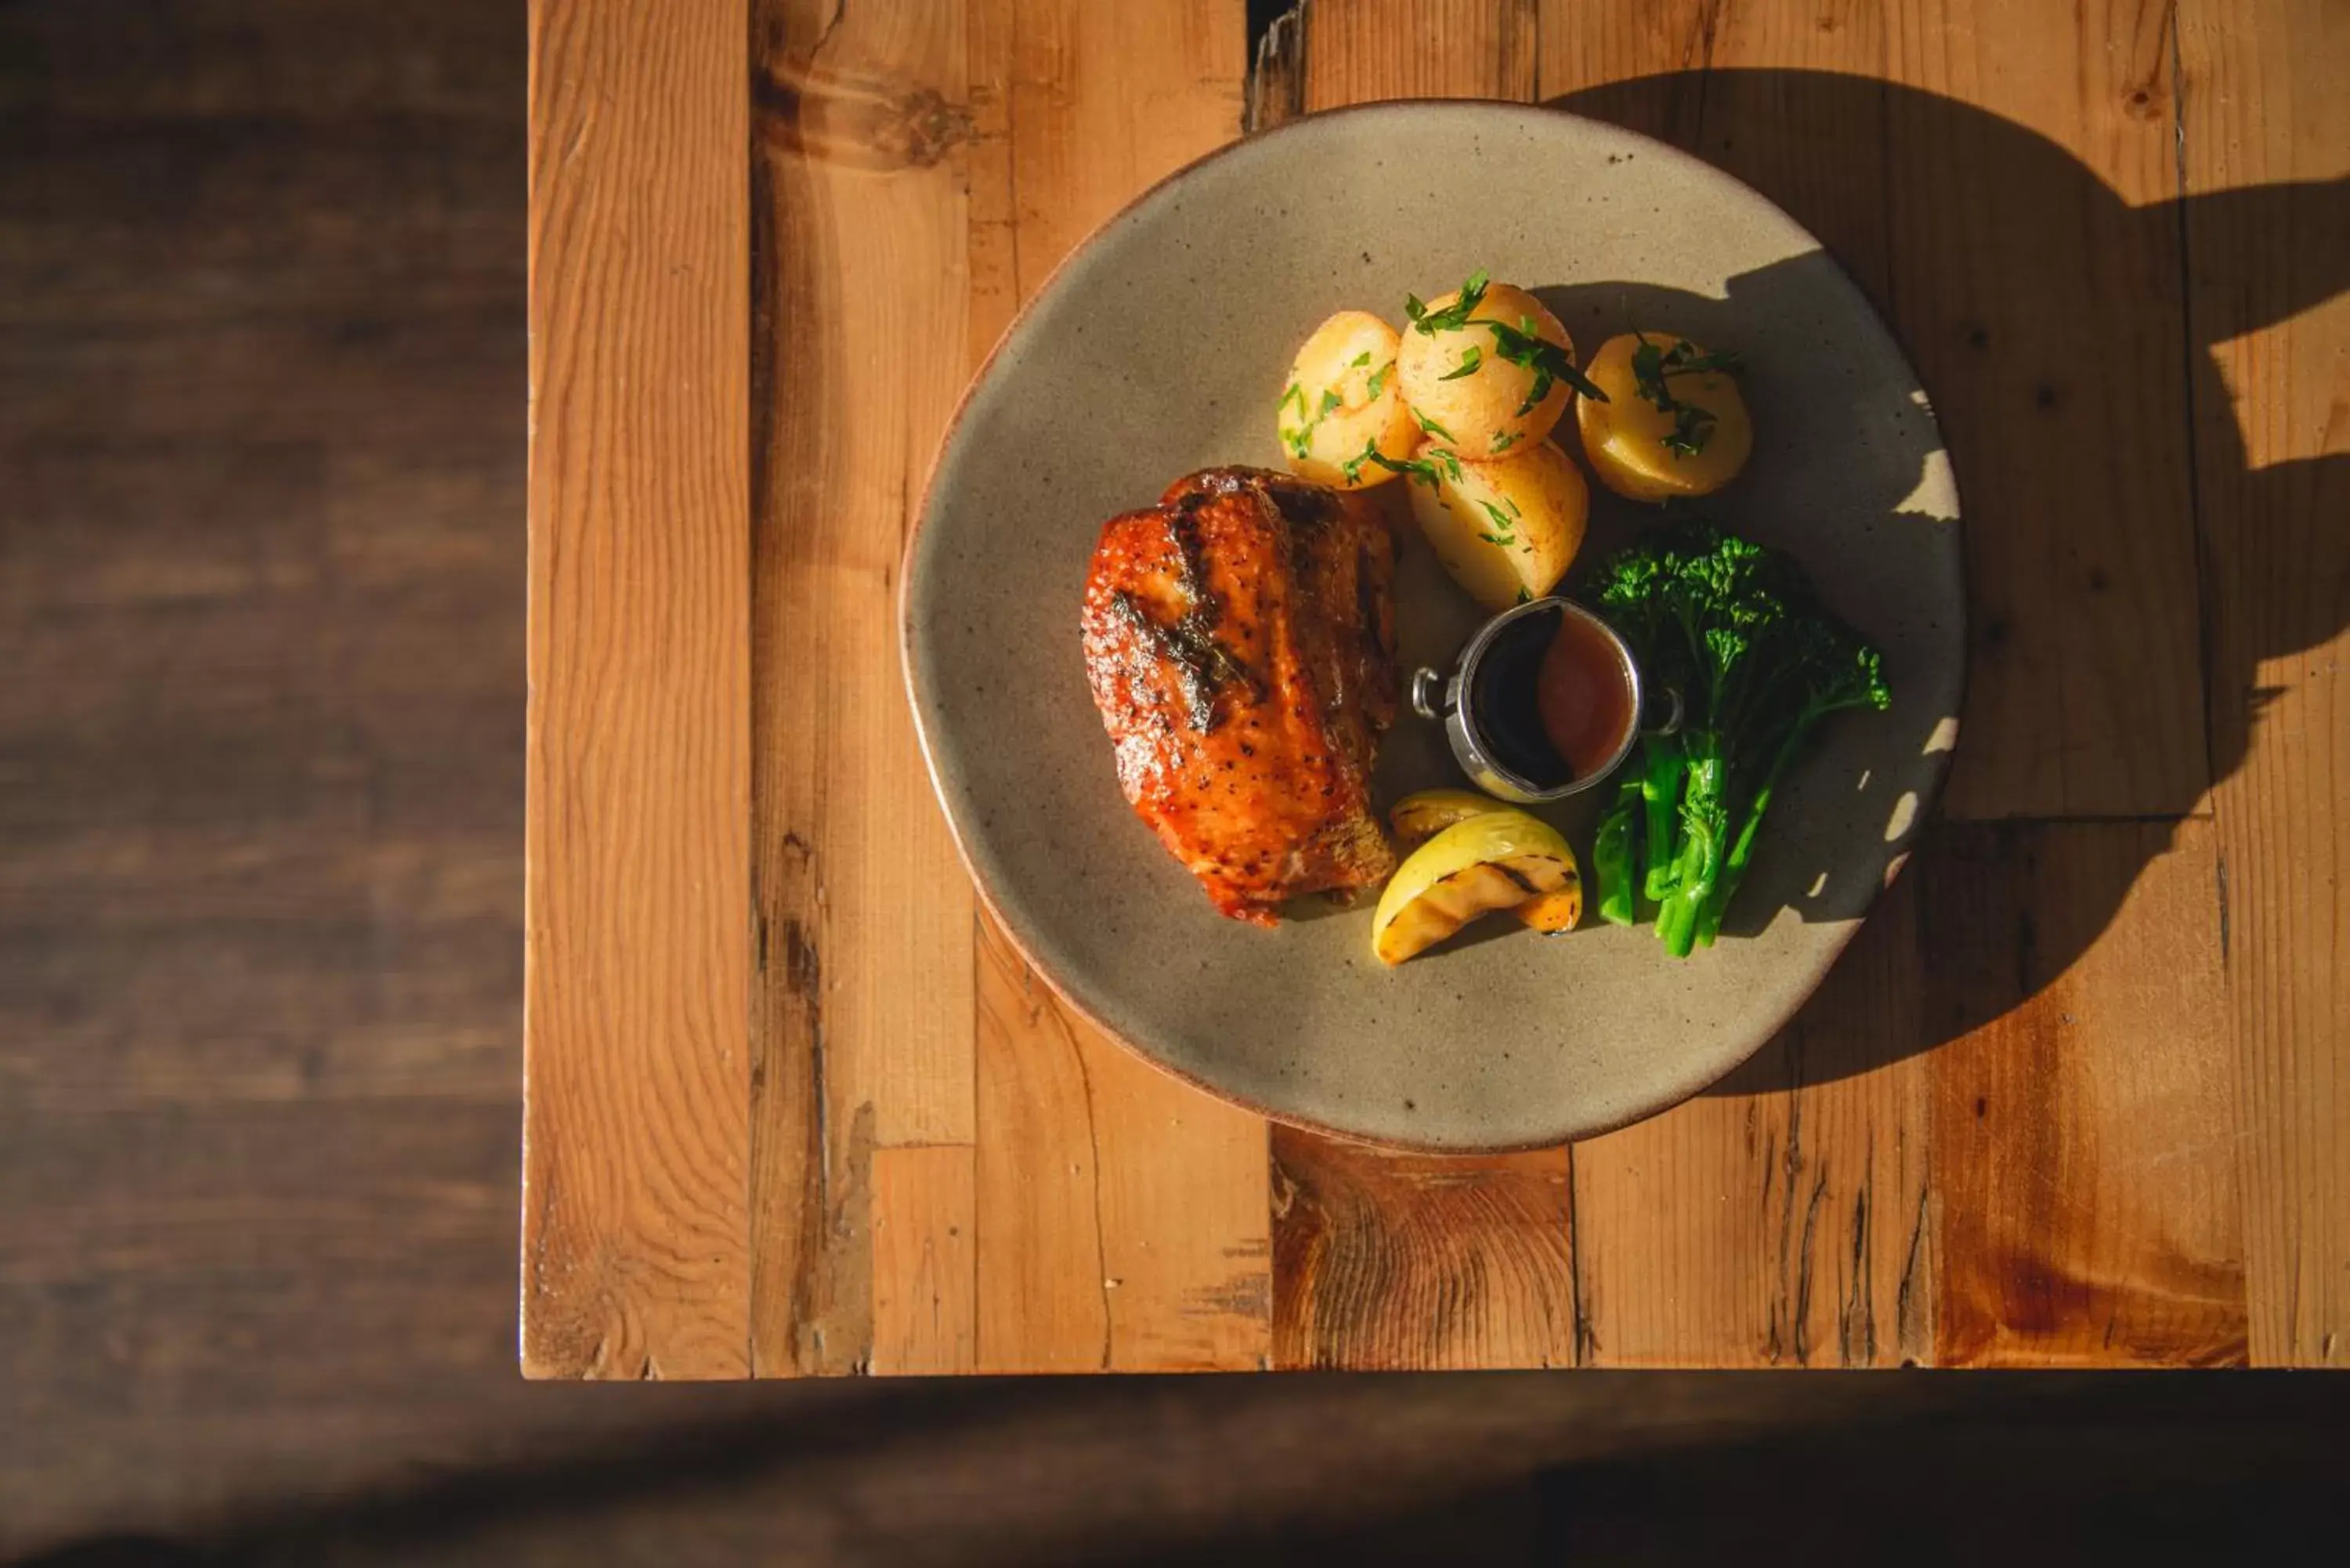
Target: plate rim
(1678, 1091)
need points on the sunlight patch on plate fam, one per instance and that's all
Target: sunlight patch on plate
(1937, 488)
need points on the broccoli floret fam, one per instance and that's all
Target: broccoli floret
(1735, 629)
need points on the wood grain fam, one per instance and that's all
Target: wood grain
(2267, 227)
(925, 1279)
(2085, 1190)
(1402, 1261)
(1121, 1215)
(637, 1137)
(863, 1016)
(1361, 51)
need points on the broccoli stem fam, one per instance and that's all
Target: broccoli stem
(1733, 872)
(1741, 848)
(1677, 917)
(1660, 790)
(1704, 819)
(1615, 854)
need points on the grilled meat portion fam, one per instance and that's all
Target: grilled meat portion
(1240, 639)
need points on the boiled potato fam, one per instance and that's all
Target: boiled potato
(1342, 399)
(1693, 446)
(1467, 394)
(1506, 530)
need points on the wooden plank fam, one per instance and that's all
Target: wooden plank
(635, 1242)
(1100, 106)
(2083, 1136)
(1277, 77)
(1122, 1216)
(861, 306)
(924, 1278)
(863, 1018)
(2267, 226)
(1411, 1262)
(1359, 51)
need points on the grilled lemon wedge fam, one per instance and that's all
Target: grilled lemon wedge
(1495, 859)
(1420, 816)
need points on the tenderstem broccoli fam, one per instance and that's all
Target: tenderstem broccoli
(1736, 629)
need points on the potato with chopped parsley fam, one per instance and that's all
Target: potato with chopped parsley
(1341, 400)
(1506, 530)
(1675, 423)
(1485, 369)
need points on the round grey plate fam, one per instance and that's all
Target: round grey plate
(1160, 346)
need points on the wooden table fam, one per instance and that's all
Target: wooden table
(2080, 1094)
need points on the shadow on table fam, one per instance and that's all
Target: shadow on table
(2088, 1482)
(1488, 1468)
(1987, 920)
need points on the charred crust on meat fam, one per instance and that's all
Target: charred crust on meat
(1202, 663)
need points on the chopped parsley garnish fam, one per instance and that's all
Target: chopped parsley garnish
(1469, 363)
(1522, 345)
(1652, 368)
(1502, 525)
(1525, 597)
(1300, 440)
(1426, 470)
(1380, 378)
(1504, 440)
(1430, 426)
(1453, 316)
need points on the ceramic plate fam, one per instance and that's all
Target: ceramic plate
(1160, 346)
